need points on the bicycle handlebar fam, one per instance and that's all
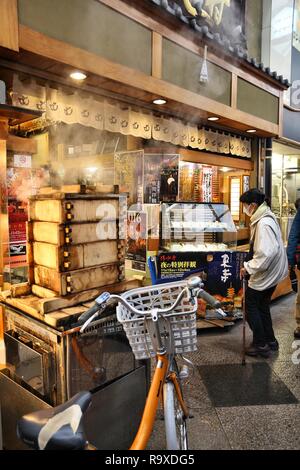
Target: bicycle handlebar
(193, 289)
(89, 313)
(209, 299)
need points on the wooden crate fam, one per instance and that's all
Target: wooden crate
(74, 233)
(63, 208)
(76, 240)
(78, 281)
(73, 257)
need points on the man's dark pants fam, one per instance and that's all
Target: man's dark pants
(258, 315)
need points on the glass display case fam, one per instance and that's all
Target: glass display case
(196, 227)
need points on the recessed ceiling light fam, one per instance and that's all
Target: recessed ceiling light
(78, 75)
(251, 131)
(159, 101)
(213, 118)
(225, 169)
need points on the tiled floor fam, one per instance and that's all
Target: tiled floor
(226, 425)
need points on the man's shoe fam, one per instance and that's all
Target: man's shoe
(297, 333)
(255, 350)
(273, 345)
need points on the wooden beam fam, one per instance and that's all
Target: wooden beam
(59, 51)
(156, 55)
(9, 34)
(196, 156)
(215, 159)
(21, 144)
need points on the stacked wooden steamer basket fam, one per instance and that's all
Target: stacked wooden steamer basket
(76, 242)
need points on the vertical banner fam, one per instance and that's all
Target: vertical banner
(129, 175)
(160, 178)
(152, 165)
(137, 239)
(169, 178)
(207, 184)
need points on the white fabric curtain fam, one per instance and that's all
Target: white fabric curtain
(28, 94)
(80, 108)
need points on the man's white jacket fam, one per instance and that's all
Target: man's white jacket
(269, 264)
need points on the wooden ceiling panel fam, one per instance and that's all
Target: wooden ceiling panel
(53, 71)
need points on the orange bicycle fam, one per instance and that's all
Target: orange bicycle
(159, 321)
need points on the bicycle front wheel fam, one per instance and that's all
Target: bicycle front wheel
(175, 421)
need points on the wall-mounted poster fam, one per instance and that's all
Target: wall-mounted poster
(19, 184)
(137, 238)
(22, 182)
(246, 183)
(160, 178)
(129, 175)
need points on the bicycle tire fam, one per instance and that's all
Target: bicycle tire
(175, 421)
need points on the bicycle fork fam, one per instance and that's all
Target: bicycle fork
(154, 395)
(173, 377)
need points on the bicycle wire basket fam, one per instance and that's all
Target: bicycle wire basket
(182, 320)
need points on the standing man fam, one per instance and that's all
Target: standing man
(294, 264)
(265, 267)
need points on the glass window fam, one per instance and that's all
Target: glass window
(285, 184)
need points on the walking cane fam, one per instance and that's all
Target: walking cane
(244, 321)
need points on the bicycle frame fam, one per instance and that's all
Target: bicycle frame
(165, 383)
(155, 394)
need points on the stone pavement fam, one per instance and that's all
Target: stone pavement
(252, 407)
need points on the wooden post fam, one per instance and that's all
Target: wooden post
(234, 82)
(9, 24)
(156, 55)
(4, 233)
(2, 344)
(280, 114)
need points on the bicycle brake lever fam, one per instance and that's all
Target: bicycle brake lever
(221, 312)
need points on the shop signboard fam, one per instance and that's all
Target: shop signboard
(177, 266)
(220, 271)
(225, 16)
(223, 277)
(22, 161)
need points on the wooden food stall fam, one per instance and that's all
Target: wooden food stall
(76, 251)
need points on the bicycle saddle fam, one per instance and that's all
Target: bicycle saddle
(58, 428)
